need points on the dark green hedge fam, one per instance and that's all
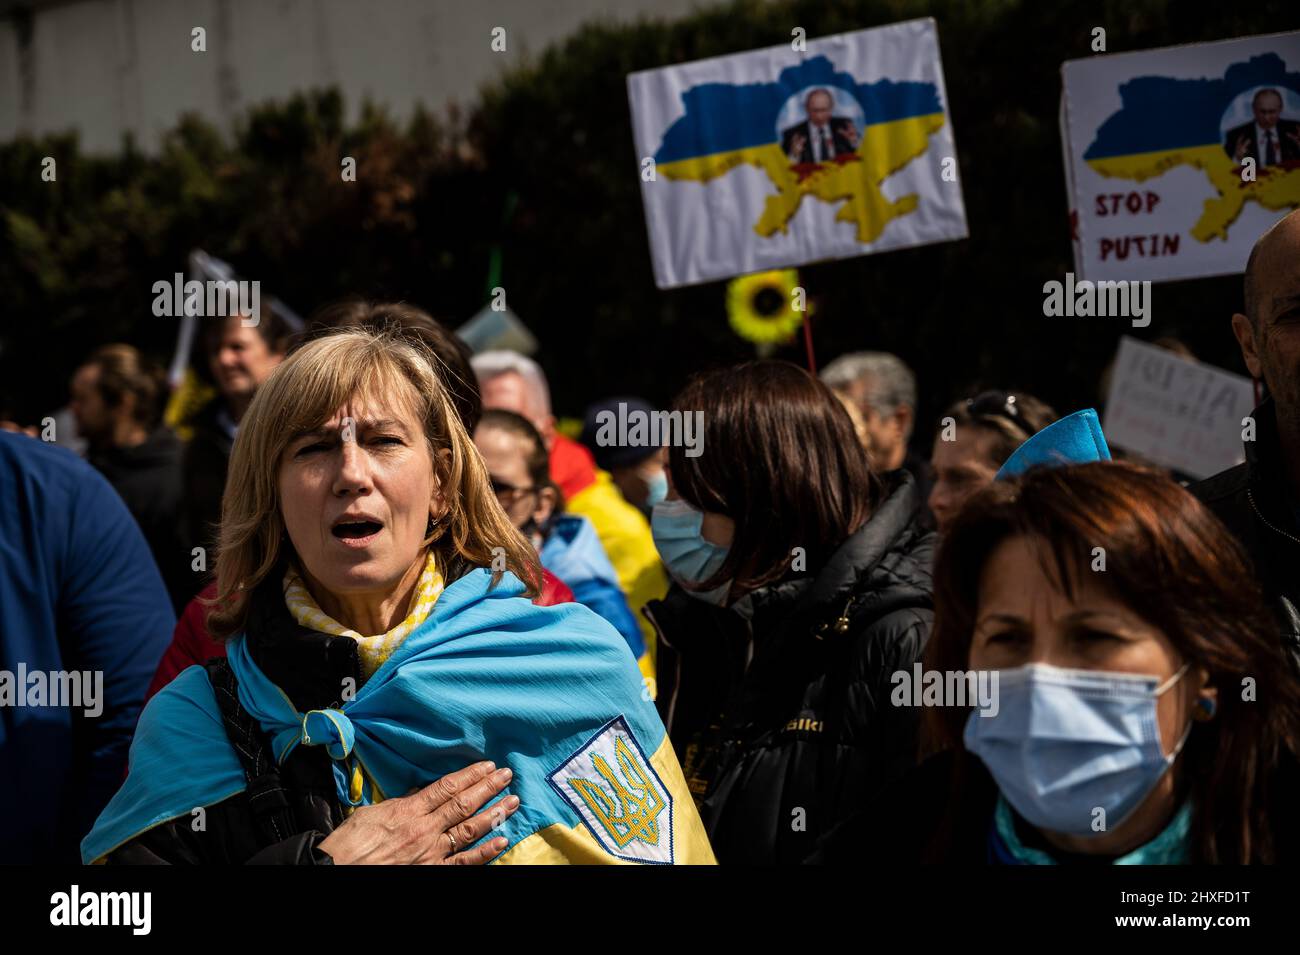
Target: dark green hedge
(545, 168)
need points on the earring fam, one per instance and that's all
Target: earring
(428, 529)
(1206, 708)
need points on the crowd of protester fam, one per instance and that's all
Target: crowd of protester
(745, 611)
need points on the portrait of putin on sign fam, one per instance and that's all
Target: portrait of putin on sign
(821, 136)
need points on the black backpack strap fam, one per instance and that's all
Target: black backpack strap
(267, 797)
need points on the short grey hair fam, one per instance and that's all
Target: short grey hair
(888, 380)
(490, 364)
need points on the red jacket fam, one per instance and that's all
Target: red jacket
(192, 645)
(572, 466)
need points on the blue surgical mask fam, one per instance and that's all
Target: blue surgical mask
(687, 555)
(1064, 743)
(656, 488)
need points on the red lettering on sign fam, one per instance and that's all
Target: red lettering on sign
(1134, 203)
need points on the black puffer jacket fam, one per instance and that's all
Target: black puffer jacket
(1251, 499)
(204, 468)
(148, 479)
(779, 708)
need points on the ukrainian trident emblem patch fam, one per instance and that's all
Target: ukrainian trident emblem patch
(610, 783)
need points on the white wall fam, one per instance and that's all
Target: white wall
(108, 67)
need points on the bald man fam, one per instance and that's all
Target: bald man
(1260, 500)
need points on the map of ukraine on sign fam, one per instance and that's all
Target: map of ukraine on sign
(1178, 159)
(777, 157)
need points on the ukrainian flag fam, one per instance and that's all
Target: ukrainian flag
(551, 692)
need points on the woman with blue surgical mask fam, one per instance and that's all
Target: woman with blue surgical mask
(1133, 704)
(801, 581)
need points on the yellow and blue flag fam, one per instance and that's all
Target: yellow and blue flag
(551, 692)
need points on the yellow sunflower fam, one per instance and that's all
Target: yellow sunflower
(760, 307)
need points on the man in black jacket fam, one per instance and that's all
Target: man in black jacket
(117, 399)
(1267, 138)
(1259, 500)
(237, 358)
(883, 389)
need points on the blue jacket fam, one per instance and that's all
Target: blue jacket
(573, 553)
(79, 591)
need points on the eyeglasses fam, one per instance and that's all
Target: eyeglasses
(507, 494)
(996, 404)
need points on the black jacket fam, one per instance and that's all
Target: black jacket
(207, 460)
(840, 145)
(1287, 150)
(148, 479)
(1251, 499)
(297, 805)
(916, 820)
(781, 719)
(918, 466)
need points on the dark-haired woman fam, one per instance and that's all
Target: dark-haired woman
(1143, 713)
(802, 582)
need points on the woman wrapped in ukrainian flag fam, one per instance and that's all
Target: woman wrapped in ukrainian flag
(390, 694)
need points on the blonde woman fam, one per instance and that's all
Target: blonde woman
(386, 673)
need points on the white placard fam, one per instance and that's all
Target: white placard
(1180, 414)
(1156, 146)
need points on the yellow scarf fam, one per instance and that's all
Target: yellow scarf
(373, 650)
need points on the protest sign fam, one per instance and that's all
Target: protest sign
(813, 150)
(1178, 159)
(1176, 413)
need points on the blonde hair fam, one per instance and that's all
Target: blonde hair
(304, 392)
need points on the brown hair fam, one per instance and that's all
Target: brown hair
(779, 456)
(537, 459)
(124, 371)
(1172, 562)
(300, 395)
(410, 321)
(1034, 416)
